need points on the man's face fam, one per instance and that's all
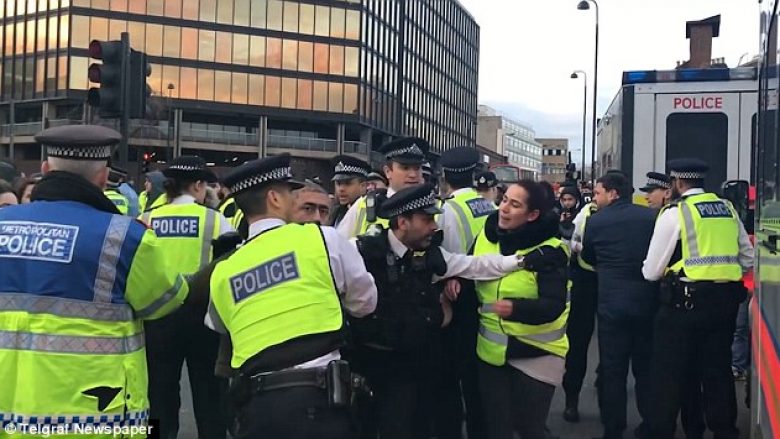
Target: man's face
(603, 197)
(417, 231)
(401, 176)
(347, 191)
(311, 207)
(657, 198)
(568, 201)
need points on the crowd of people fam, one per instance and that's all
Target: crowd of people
(403, 305)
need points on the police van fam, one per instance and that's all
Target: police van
(659, 115)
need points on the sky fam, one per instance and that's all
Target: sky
(528, 50)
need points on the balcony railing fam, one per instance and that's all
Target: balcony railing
(20, 129)
(217, 136)
(353, 147)
(302, 143)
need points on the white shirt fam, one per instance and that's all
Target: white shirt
(666, 235)
(348, 224)
(353, 281)
(448, 224)
(224, 224)
(575, 244)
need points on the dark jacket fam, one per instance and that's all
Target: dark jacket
(616, 241)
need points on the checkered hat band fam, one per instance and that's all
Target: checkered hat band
(78, 152)
(185, 168)
(278, 174)
(687, 175)
(409, 150)
(457, 170)
(341, 168)
(420, 203)
(656, 182)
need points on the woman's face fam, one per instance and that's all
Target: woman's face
(513, 211)
(8, 199)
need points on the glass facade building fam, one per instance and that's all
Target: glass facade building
(522, 150)
(316, 77)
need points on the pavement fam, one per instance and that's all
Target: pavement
(588, 427)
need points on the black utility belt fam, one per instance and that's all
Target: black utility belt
(690, 295)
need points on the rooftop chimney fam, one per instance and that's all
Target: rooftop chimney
(701, 34)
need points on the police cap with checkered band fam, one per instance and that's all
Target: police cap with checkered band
(656, 180)
(79, 142)
(459, 160)
(688, 169)
(415, 199)
(258, 173)
(346, 167)
(189, 167)
(406, 150)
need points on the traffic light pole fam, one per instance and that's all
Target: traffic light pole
(124, 118)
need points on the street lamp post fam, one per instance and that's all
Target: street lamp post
(584, 5)
(576, 75)
(170, 88)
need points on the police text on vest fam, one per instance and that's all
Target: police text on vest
(713, 209)
(176, 226)
(480, 207)
(39, 241)
(264, 276)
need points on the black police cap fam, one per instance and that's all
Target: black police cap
(406, 150)
(189, 167)
(260, 172)
(79, 142)
(688, 168)
(376, 176)
(656, 180)
(346, 167)
(115, 173)
(459, 160)
(414, 199)
(486, 180)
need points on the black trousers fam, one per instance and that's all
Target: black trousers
(293, 413)
(582, 321)
(169, 342)
(622, 342)
(447, 411)
(700, 339)
(514, 402)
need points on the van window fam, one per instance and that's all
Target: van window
(700, 135)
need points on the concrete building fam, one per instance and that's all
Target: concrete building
(510, 138)
(238, 79)
(554, 159)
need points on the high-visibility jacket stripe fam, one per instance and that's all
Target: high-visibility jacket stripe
(162, 300)
(70, 344)
(57, 306)
(109, 256)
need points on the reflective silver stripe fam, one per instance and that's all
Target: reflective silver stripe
(360, 218)
(690, 231)
(70, 344)
(466, 234)
(109, 256)
(162, 300)
(60, 307)
(208, 236)
(503, 339)
(101, 419)
(712, 260)
(495, 337)
(145, 217)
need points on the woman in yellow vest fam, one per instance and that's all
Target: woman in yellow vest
(187, 229)
(522, 340)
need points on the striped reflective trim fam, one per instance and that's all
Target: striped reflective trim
(162, 300)
(690, 230)
(208, 236)
(109, 257)
(467, 238)
(128, 419)
(712, 260)
(60, 307)
(70, 344)
(503, 339)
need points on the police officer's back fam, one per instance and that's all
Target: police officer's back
(76, 278)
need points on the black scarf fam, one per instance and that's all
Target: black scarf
(525, 236)
(65, 186)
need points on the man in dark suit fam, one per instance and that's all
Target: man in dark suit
(616, 243)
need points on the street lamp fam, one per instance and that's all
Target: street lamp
(170, 88)
(584, 5)
(576, 74)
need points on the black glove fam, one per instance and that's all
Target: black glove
(225, 244)
(545, 259)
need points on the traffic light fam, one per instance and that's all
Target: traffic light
(147, 160)
(139, 91)
(571, 169)
(108, 97)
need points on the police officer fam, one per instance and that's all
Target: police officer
(487, 186)
(280, 298)
(76, 281)
(115, 177)
(701, 249)
(375, 181)
(349, 177)
(398, 347)
(658, 190)
(404, 158)
(187, 228)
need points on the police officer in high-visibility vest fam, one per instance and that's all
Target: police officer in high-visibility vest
(398, 347)
(77, 279)
(282, 297)
(403, 168)
(187, 229)
(487, 186)
(522, 339)
(700, 249)
(349, 178)
(115, 177)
